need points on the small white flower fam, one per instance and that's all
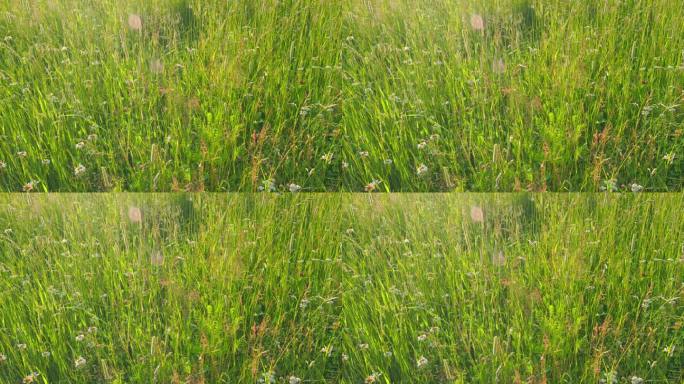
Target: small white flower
(294, 380)
(364, 154)
(345, 165)
(22, 154)
(3, 165)
(79, 170)
(21, 346)
(327, 350)
(421, 169)
(636, 380)
(46, 161)
(327, 157)
(422, 144)
(267, 185)
(388, 161)
(609, 185)
(80, 145)
(421, 362)
(46, 354)
(294, 188)
(636, 188)
(267, 378)
(669, 158)
(92, 329)
(80, 337)
(3, 357)
(79, 362)
(388, 354)
(669, 350)
(92, 137)
(363, 346)
(422, 337)
(345, 357)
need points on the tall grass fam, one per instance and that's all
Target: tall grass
(341, 288)
(228, 96)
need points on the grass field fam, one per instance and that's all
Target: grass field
(315, 288)
(391, 95)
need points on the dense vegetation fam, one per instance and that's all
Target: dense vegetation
(341, 288)
(393, 95)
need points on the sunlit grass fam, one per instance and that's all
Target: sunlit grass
(341, 288)
(440, 94)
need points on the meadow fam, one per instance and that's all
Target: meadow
(321, 95)
(341, 288)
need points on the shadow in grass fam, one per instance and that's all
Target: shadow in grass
(188, 25)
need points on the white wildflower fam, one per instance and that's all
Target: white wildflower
(421, 169)
(421, 362)
(79, 362)
(79, 170)
(669, 158)
(327, 157)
